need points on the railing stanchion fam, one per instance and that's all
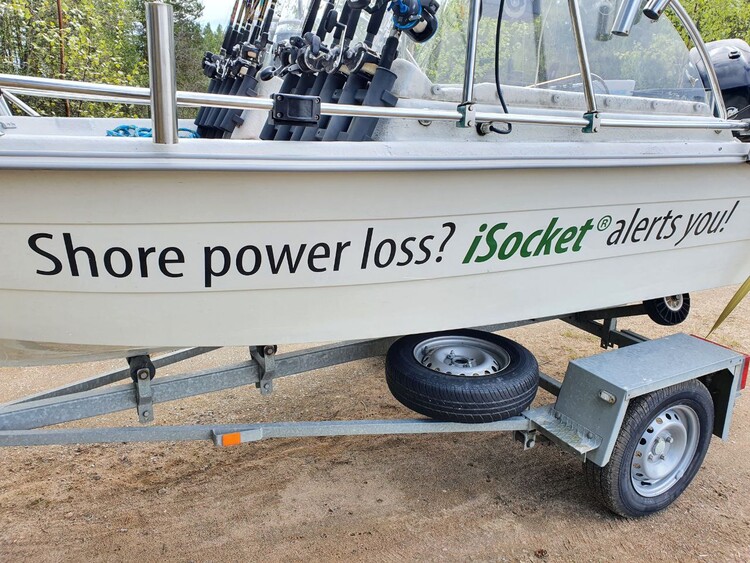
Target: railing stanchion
(162, 72)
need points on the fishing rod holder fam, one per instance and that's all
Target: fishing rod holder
(162, 72)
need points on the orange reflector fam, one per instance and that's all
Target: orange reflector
(228, 440)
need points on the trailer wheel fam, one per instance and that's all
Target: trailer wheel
(663, 440)
(668, 311)
(462, 376)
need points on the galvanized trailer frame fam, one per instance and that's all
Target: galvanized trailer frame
(585, 419)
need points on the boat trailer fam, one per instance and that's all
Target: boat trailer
(587, 418)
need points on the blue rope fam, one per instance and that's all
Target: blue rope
(146, 133)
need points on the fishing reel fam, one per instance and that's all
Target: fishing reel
(312, 57)
(212, 65)
(416, 18)
(362, 59)
(285, 58)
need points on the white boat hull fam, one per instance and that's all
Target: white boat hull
(161, 241)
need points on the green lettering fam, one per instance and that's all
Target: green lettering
(491, 242)
(549, 235)
(582, 233)
(516, 239)
(525, 252)
(564, 239)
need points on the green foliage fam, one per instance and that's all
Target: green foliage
(104, 41)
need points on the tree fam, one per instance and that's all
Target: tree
(103, 41)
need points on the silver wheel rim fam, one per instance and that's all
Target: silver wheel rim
(461, 356)
(664, 451)
(674, 302)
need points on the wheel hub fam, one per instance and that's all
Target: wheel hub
(674, 302)
(665, 451)
(461, 356)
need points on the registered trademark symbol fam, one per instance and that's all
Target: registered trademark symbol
(604, 223)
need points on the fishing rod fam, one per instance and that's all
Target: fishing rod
(236, 66)
(287, 53)
(383, 78)
(310, 61)
(251, 57)
(416, 18)
(333, 67)
(352, 62)
(315, 58)
(227, 67)
(332, 82)
(211, 63)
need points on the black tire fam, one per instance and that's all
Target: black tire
(480, 398)
(668, 311)
(614, 485)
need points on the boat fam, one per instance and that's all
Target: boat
(587, 154)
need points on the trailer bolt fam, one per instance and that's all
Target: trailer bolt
(266, 386)
(146, 414)
(279, 98)
(558, 415)
(269, 350)
(590, 435)
(143, 375)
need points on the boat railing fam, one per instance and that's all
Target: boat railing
(164, 100)
(6, 96)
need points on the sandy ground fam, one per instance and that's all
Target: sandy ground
(461, 497)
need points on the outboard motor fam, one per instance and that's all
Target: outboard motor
(731, 60)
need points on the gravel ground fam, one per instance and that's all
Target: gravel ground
(462, 497)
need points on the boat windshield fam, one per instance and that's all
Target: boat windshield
(537, 50)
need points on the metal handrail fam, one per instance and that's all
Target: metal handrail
(20, 104)
(697, 39)
(54, 88)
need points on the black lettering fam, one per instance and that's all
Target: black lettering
(208, 254)
(257, 260)
(691, 223)
(673, 226)
(651, 229)
(57, 265)
(165, 260)
(128, 262)
(339, 250)
(426, 250)
(407, 251)
(667, 218)
(391, 255)
(366, 253)
(325, 253)
(698, 229)
(72, 251)
(630, 226)
(614, 237)
(639, 228)
(285, 256)
(143, 254)
(713, 228)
